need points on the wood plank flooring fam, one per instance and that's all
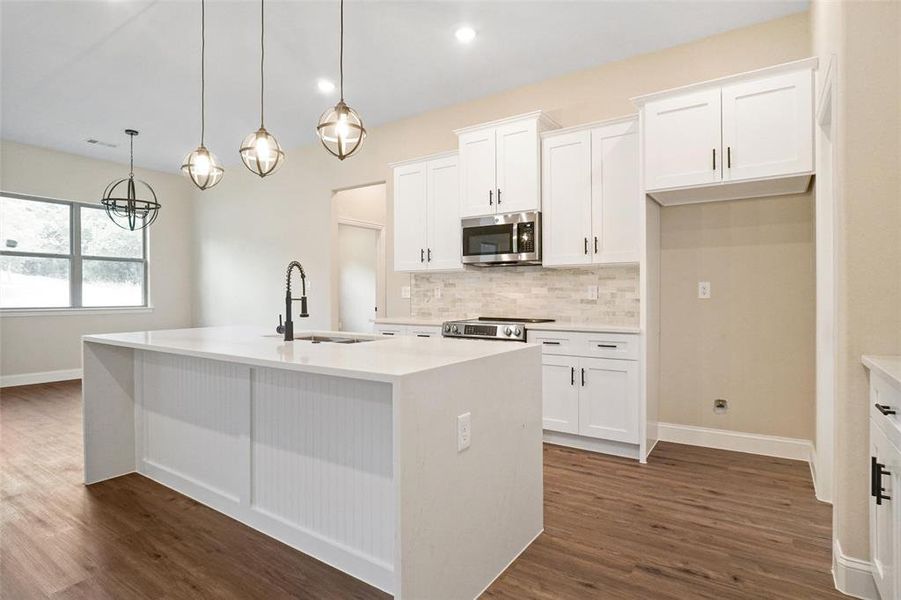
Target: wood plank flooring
(693, 523)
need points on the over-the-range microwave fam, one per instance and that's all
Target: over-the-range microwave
(501, 240)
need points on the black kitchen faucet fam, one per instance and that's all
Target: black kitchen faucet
(288, 327)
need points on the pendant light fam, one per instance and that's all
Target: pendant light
(340, 128)
(129, 211)
(201, 165)
(260, 151)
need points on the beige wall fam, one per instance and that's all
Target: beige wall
(247, 230)
(752, 342)
(865, 38)
(53, 342)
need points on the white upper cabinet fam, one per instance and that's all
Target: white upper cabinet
(566, 197)
(443, 206)
(500, 165)
(410, 218)
(768, 126)
(616, 201)
(742, 136)
(591, 195)
(682, 140)
(477, 173)
(426, 215)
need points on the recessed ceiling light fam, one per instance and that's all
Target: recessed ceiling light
(325, 86)
(465, 34)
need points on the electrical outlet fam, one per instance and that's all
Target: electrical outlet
(720, 406)
(437, 292)
(704, 290)
(464, 431)
(592, 292)
(405, 292)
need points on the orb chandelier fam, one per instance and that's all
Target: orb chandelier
(128, 211)
(201, 166)
(340, 128)
(260, 151)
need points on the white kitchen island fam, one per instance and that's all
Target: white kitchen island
(347, 452)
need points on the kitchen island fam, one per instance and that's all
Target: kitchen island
(349, 452)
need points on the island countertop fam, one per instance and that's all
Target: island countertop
(382, 359)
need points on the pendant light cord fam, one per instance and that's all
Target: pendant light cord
(202, 70)
(131, 160)
(341, 54)
(262, 58)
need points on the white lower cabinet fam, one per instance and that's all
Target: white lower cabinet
(560, 396)
(590, 385)
(885, 487)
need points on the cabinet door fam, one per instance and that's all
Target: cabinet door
(477, 173)
(608, 399)
(566, 197)
(682, 140)
(518, 167)
(615, 189)
(768, 127)
(444, 233)
(885, 518)
(410, 193)
(560, 394)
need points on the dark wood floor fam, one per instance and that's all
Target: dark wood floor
(693, 523)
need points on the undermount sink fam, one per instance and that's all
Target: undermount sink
(317, 339)
(329, 339)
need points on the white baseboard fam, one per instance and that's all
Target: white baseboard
(42, 377)
(852, 576)
(591, 444)
(738, 441)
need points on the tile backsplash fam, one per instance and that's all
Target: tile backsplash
(562, 294)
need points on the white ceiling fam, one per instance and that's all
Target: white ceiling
(73, 70)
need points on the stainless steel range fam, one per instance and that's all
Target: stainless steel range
(506, 329)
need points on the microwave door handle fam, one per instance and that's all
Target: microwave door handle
(515, 238)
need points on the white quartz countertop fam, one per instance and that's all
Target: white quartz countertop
(555, 326)
(888, 366)
(383, 359)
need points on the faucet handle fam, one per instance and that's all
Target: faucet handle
(281, 327)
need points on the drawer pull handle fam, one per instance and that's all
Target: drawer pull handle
(607, 346)
(551, 343)
(886, 409)
(422, 335)
(387, 333)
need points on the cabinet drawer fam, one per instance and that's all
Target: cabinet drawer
(424, 332)
(611, 345)
(554, 342)
(391, 330)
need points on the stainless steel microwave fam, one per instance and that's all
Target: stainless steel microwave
(499, 240)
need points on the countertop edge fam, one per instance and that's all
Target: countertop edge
(890, 372)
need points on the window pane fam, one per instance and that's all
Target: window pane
(101, 237)
(112, 283)
(34, 226)
(30, 282)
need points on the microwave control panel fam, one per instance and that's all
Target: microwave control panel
(526, 234)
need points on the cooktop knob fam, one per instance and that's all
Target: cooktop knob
(446, 328)
(455, 329)
(518, 332)
(508, 331)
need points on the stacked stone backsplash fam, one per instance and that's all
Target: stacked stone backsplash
(561, 294)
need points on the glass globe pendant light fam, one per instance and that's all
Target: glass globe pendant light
(129, 211)
(260, 151)
(201, 166)
(340, 128)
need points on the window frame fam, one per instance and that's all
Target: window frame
(76, 260)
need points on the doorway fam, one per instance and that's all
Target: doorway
(358, 249)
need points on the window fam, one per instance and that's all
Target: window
(58, 254)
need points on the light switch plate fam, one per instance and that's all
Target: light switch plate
(464, 431)
(703, 290)
(405, 292)
(592, 292)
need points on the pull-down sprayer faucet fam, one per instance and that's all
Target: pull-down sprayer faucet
(288, 327)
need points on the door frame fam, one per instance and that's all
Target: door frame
(380, 270)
